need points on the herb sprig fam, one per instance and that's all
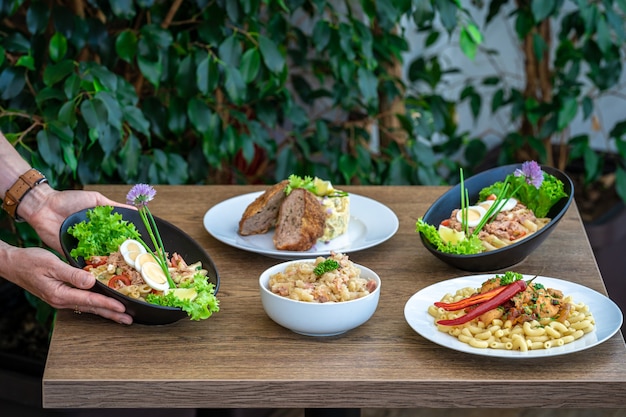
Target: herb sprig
(326, 266)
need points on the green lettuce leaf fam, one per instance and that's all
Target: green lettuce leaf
(540, 201)
(200, 308)
(102, 234)
(467, 246)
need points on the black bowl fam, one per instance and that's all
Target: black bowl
(504, 257)
(174, 240)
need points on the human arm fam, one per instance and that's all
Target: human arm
(38, 270)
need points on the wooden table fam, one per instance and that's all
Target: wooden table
(239, 358)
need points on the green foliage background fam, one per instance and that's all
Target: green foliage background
(172, 92)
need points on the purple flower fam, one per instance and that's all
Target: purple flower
(532, 173)
(140, 195)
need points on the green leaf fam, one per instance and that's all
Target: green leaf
(136, 120)
(130, 155)
(345, 41)
(186, 71)
(250, 65)
(12, 82)
(126, 45)
(603, 35)
(230, 51)
(321, 34)
(58, 47)
(177, 116)
(26, 61)
(207, 75)
(67, 113)
(620, 183)
(37, 17)
(368, 86)
(152, 70)
(69, 156)
(54, 73)
(199, 115)
(541, 9)
(123, 8)
(592, 164)
(566, 113)
(113, 110)
(348, 167)
(272, 57)
(447, 12)
(49, 148)
(467, 44)
(539, 47)
(234, 85)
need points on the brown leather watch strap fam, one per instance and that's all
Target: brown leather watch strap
(14, 195)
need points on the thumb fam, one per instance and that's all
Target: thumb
(80, 278)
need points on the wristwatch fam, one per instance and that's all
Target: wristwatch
(14, 195)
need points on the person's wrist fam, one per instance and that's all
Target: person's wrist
(25, 184)
(33, 202)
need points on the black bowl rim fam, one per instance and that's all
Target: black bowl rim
(557, 217)
(106, 290)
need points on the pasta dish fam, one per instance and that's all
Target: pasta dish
(533, 318)
(114, 272)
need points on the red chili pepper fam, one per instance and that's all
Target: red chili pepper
(472, 300)
(509, 292)
(117, 278)
(445, 222)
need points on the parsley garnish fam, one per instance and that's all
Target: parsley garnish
(509, 277)
(326, 266)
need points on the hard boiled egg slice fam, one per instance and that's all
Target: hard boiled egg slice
(130, 250)
(143, 258)
(152, 273)
(474, 215)
(505, 205)
(508, 205)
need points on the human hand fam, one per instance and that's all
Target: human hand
(44, 275)
(47, 213)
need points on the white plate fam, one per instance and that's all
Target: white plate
(371, 223)
(606, 313)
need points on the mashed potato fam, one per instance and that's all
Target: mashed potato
(337, 209)
(299, 282)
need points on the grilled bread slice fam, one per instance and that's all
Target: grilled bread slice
(300, 223)
(260, 216)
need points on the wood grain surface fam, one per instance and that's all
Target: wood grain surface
(239, 358)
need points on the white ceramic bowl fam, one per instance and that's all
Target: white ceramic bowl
(318, 319)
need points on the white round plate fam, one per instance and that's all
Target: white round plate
(371, 223)
(607, 315)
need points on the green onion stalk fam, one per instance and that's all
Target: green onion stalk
(139, 196)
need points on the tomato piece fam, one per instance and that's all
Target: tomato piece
(446, 222)
(97, 260)
(118, 278)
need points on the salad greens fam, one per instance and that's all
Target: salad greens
(102, 234)
(467, 246)
(315, 185)
(539, 200)
(200, 307)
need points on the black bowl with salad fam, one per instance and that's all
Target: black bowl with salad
(112, 225)
(471, 238)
